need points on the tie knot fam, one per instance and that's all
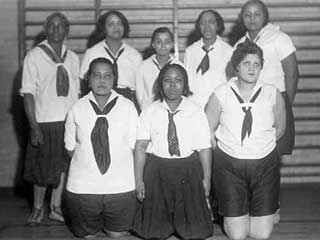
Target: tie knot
(170, 114)
(206, 50)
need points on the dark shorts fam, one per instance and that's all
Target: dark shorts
(174, 200)
(286, 143)
(246, 186)
(44, 164)
(89, 214)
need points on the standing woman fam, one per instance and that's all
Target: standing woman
(50, 86)
(115, 26)
(280, 63)
(280, 66)
(100, 137)
(162, 48)
(206, 59)
(246, 118)
(173, 179)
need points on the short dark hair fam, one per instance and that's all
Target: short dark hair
(242, 50)
(219, 21)
(102, 22)
(100, 60)
(158, 87)
(263, 7)
(157, 31)
(63, 17)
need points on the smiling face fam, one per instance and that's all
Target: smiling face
(56, 29)
(208, 26)
(114, 28)
(173, 84)
(249, 68)
(254, 17)
(162, 44)
(101, 79)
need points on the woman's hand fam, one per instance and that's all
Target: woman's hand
(36, 136)
(140, 189)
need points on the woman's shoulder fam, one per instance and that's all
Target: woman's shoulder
(194, 46)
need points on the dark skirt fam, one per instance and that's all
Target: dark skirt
(286, 142)
(174, 200)
(44, 164)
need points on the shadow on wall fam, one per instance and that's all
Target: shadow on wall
(21, 128)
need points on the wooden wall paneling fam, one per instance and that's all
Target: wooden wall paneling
(299, 18)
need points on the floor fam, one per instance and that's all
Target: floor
(300, 217)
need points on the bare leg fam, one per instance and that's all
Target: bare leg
(261, 227)
(116, 234)
(236, 228)
(36, 215)
(55, 203)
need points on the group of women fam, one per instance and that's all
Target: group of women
(161, 156)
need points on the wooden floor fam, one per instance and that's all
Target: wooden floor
(300, 217)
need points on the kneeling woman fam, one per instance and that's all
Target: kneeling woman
(246, 118)
(173, 180)
(100, 136)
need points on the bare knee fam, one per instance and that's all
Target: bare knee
(116, 234)
(261, 227)
(265, 234)
(236, 228)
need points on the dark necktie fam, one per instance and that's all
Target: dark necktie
(100, 137)
(62, 80)
(157, 64)
(247, 120)
(173, 142)
(205, 62)
(115, 64)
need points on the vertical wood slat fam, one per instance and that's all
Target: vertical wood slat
(176, 28)
(97, 7)
(21, 31)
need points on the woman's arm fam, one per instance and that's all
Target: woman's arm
(279, 111)
(213, 112)
(35, 132)
(139, 162)
(291, 75)
(206, 161)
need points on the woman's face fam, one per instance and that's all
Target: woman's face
(56, 30)
(114, 27)
(249, 68)
(162, 43)
(173, 84)
(101, 79)
(253, 17)
(208, 26)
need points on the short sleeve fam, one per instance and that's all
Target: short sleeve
(144, 126)
(201, 135)
(70, 131)
(139, 85)
(284, 46)
(85, 64)
(133, 116)
(29, 75)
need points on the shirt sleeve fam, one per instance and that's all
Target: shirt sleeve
(139, 85)
(201, 135)
(70, 131)
(284, 46)
(144, 126)
(133, 116)
(29, 75)
(77, 70)
(85, 64)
